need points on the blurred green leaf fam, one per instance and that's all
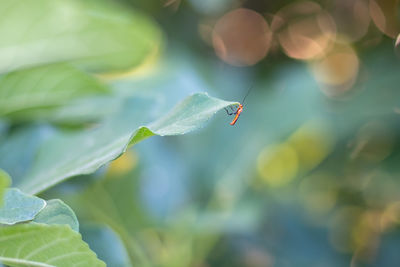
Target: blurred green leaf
(97, 34)
(19, 207)
(5, 181)
(85, 110)
(57, 212)
(26, 93)
(119, 208)
(44, 245)
(69, 155)
(181, 240)
(106, 243)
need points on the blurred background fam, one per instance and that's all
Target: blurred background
(308, 176)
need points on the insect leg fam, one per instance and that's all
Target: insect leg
(229, 113)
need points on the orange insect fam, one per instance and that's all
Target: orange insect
(237, 113)
(238, 110)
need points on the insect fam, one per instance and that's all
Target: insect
(238, 110)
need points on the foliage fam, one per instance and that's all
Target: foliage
(32, 89)
(19, 207)
(44, 245)
(307, 176)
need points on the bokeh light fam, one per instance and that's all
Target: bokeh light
(277, 164)
(351, 18)
(391, 216)
(304, 30)
(380, 190)
(205, 29)
(241, 37)
(385, 14)
(255, 257)
(373, 143)
(342, 225)
(366, 235)
(312, 142)
(319, 193)
(337, 71)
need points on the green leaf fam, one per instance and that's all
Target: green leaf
(57, 212)
(44, 245)
(118, 208)
(38, 90)
(187, 116)
(19, 207)
(84, 110)
(97, 34)
(69, 155)
(5, 181)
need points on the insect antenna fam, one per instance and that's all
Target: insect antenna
(248, 92)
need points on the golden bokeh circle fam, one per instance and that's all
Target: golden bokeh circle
(241, 37)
